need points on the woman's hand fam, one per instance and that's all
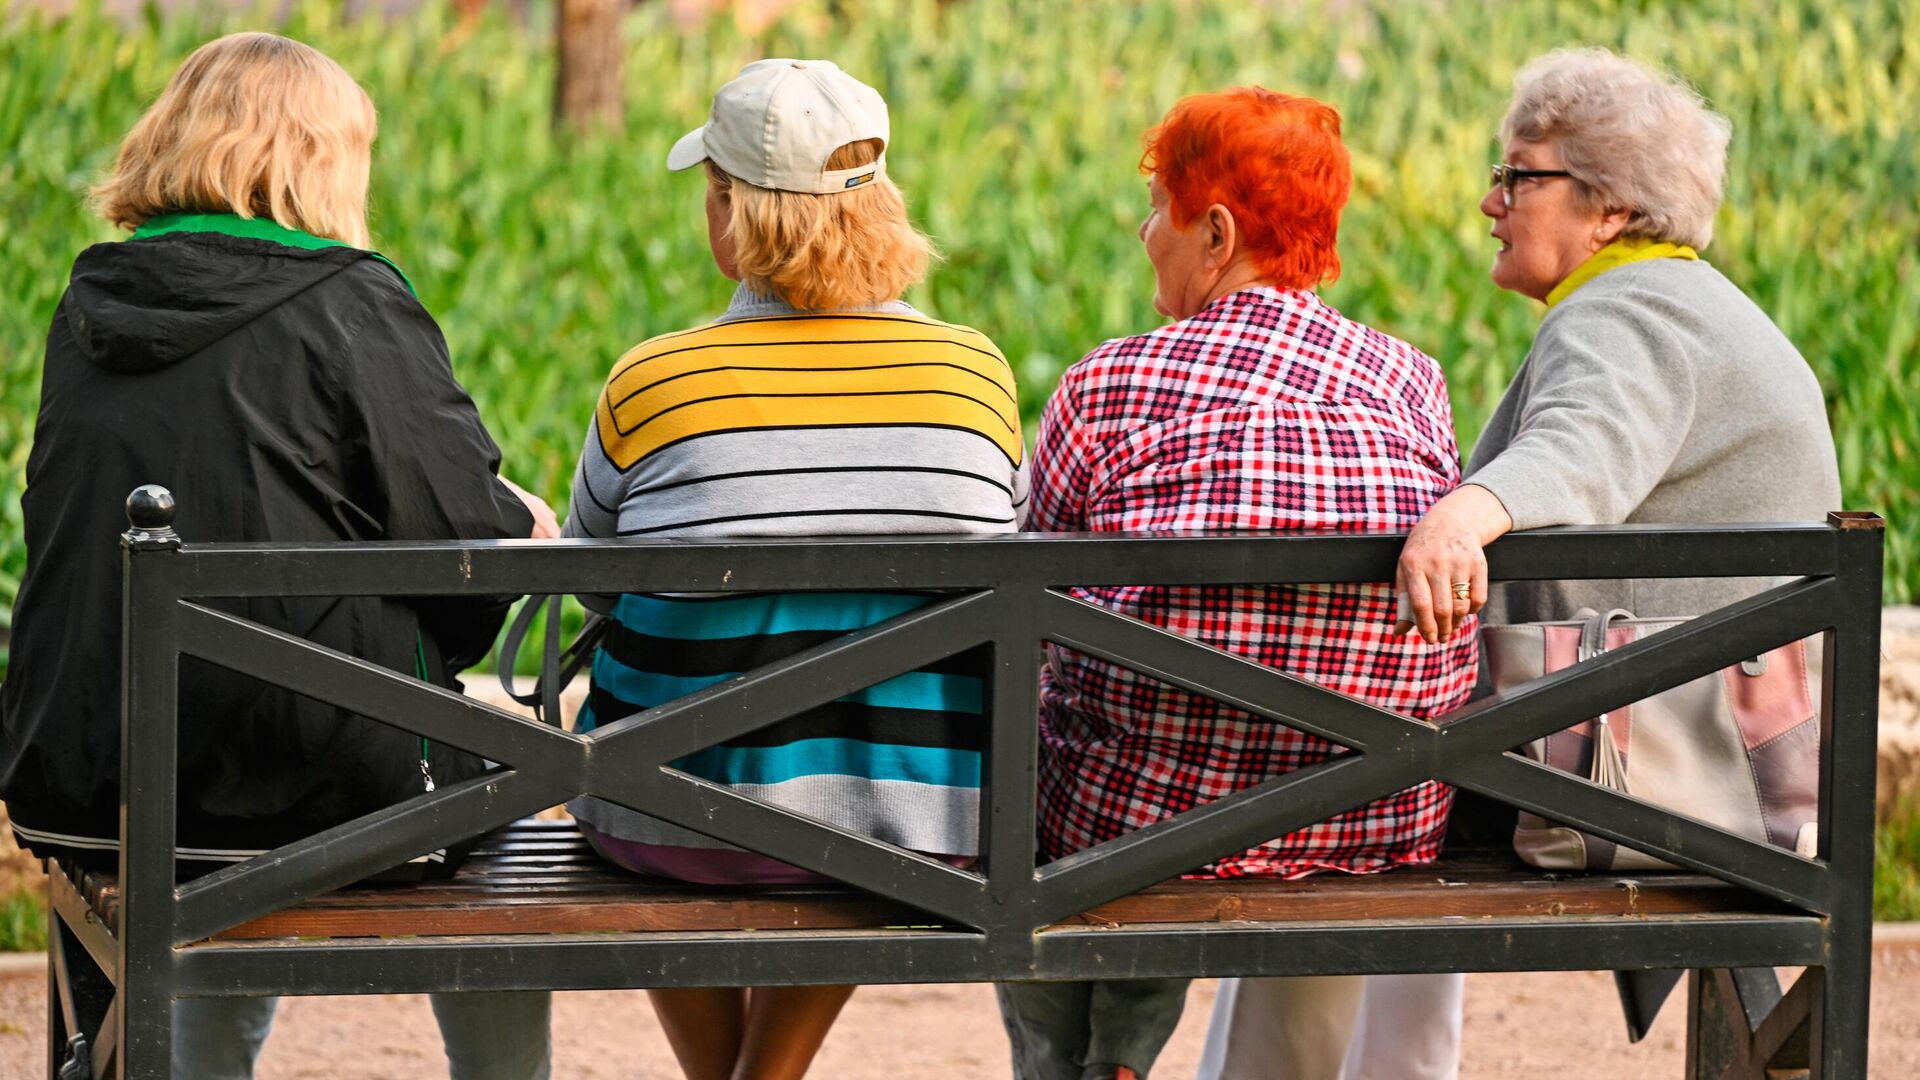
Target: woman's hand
(1444, 552)
(545, 525)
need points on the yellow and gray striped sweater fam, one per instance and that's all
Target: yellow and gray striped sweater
(773, 422)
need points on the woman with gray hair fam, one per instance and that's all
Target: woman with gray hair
(1655, 391)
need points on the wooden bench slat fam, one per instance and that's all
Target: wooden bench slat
(1213, 901)
(541, 877)
(605, 915)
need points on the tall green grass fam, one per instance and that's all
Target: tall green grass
(1896, 867)
(1016, 135)
(23, 921)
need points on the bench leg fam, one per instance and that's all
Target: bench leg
(142, 1013)
(79, 997)
(57, 1052)
(1837, 1031)
(145, 1017)
(1741, 1027)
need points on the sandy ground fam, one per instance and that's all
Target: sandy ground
(1561, 1024)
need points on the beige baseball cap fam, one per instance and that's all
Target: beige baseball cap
(777, 122)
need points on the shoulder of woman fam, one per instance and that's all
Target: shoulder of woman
(971, 340)
(372, 281)
(1627, 311)
(961, 332)
(1107, 369)
(381, 321)
(1673, 289)
(1128, 352)
(367, 299)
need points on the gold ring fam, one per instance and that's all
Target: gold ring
(1463, 590)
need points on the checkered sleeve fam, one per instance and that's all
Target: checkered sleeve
(1061, 465)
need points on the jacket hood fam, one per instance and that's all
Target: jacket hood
(142, 304)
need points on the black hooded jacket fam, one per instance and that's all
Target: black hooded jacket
(281, 392)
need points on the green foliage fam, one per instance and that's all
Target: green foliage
(23, 921)
(1896, 866)
(1017, 134)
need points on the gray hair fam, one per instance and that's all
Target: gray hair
(1639, 139)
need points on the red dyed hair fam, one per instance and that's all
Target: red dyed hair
(1276, 161)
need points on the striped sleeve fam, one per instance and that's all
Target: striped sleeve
(587, 516)
(804, 426)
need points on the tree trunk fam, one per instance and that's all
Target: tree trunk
(587, 93)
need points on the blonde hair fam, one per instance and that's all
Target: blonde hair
(1639, 139)
(252, 124)
(821, 252)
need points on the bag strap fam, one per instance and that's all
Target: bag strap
(1608, 769)
(1593, 635)
(575, 657)
(558, 666)
(1593, 638)
(509, 653)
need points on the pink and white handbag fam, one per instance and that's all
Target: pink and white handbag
(1739, 749)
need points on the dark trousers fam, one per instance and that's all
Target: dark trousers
(1086, 1030)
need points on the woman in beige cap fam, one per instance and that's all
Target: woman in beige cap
(818, 404)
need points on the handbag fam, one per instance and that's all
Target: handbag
(1739, 749)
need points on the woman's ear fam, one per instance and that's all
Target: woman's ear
(1223, 239)
(1610, 226)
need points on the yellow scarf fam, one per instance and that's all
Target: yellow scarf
(1617, 254)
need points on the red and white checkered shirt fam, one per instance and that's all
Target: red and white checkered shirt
(1267, 410)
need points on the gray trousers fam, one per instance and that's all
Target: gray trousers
(1086, 1030)
(493, 1036)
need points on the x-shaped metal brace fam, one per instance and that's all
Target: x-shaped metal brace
(628, 761)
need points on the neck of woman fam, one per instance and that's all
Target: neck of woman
(1240, 274)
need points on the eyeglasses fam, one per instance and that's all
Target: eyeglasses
(1505, 176)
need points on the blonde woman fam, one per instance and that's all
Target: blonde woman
(818, 404)
(246, 350)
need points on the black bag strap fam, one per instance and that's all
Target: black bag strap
(558, 666)
(509, 652)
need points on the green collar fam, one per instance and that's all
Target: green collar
(1617, 254)
(255, 228)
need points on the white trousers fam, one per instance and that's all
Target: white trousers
(1336, 1027)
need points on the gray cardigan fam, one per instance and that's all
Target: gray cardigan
(1658, 393)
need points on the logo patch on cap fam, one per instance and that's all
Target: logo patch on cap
(858, 180)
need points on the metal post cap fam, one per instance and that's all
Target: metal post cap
(150, 508)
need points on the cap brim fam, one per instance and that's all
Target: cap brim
(691, 150)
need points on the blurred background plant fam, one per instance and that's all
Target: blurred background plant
(1017, 135)
(23, 921)
(1896, 873)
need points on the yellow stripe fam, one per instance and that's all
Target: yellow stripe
(667, 374)
(634, 411)
(692, 383)
(733, 414)
(803, 330)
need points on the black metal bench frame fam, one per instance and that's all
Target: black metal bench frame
(1008, 593)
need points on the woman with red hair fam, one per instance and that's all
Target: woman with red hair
(1259, 407)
